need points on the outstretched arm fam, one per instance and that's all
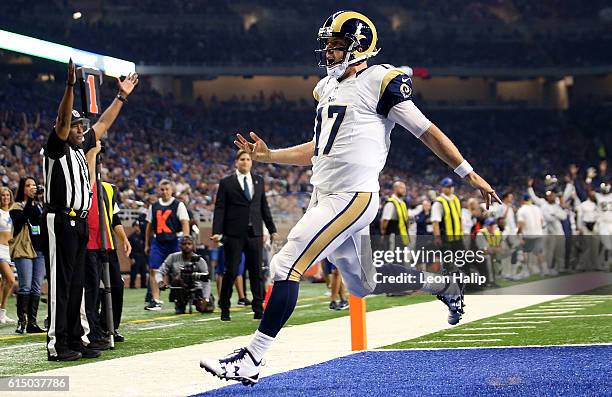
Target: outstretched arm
(110, 114)
(446, 150)
(64, 113)
(295, 155)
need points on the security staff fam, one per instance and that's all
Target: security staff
(394, 220)
(446, 215)
(64, 227)
(446, 219)
(168, 220)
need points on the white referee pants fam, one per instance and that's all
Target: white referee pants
(335, 226)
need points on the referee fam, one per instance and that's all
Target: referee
(64, 227)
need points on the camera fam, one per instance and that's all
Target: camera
(189, 274)
(40, 189)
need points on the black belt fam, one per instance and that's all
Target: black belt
(68, 211)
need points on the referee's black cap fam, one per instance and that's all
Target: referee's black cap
(77, 118)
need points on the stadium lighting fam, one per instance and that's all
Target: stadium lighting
(61, 53)
(77, 15)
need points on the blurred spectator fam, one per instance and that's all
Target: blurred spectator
(27, 213)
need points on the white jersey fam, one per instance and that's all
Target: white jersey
(532, 219)
(353, 126)
(604, 207)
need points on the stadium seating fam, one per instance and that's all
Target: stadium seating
(483, 33)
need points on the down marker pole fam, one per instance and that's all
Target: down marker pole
(357, 310)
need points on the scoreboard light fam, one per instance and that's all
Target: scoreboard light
(61, 53)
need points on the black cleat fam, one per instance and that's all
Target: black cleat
(66, 355)
(452, 297)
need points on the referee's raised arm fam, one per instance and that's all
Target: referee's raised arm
(110, 114)
(62, 123)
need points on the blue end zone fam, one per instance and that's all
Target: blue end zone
(550, 371)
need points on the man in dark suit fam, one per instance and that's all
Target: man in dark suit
(241, 209)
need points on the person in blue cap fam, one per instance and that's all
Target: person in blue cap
(446, 216)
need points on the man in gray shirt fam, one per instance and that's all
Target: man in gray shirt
(170, 274)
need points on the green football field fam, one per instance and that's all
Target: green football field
(577, 319)
(154, 331)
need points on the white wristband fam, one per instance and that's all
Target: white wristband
(463, 169)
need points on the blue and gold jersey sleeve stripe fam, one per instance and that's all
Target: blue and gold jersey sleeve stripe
(334, 228)
(396, 87)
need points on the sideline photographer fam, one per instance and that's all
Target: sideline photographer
(187, 275)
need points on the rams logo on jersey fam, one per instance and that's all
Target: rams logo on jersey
(405, 90)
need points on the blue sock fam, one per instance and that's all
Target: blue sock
(280, 306)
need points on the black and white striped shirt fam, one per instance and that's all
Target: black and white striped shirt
(66, 174)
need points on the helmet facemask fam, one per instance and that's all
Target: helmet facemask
(335, 69)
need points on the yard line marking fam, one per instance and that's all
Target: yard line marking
(483, 328)
(528, 314)
(300, 306)
(485, 334)
(580, 303)
(460, 340)
(554, 309)
(584, 301)
(568, 316)
(207, 319)
(561, 305)
(516, 322)
(22, 346)
(160, 326)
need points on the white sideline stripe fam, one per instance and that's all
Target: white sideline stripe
(490, 347)
(515, 322)
(308, 305)
(483, 328)
(460, 341)
(160, 326)
(540, 312)
(22, 346)
(561, 305)
(569, 316)
(486, 334)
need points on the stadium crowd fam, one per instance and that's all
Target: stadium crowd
(191, 144)
(483, 33)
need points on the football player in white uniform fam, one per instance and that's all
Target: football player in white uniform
(358, 105)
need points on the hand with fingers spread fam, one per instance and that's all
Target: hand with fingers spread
(487, 192)
(127, 85)
(258, 150)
